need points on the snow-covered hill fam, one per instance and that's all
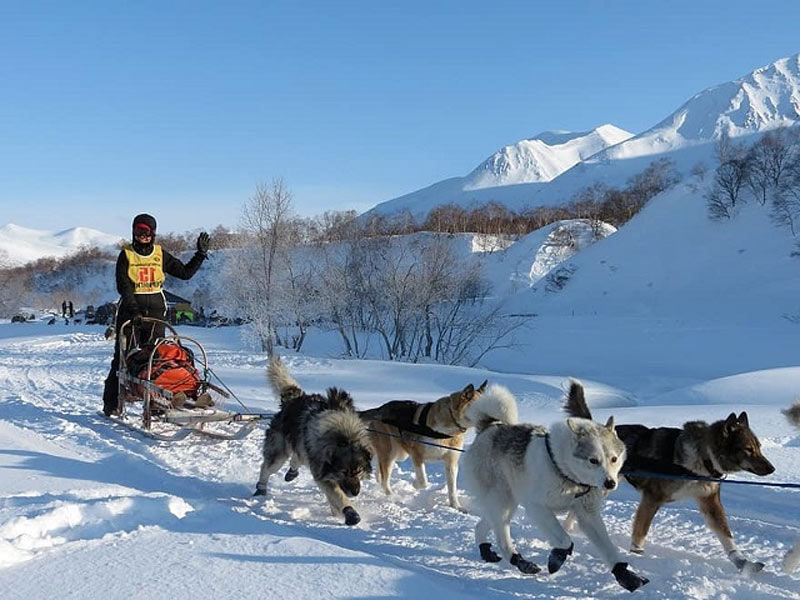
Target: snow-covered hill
(20, 245)
(516, 176)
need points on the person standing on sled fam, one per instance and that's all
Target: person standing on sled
(141, 269)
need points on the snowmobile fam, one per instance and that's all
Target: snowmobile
(176, 398)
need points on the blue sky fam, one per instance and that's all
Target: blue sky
(180, 108)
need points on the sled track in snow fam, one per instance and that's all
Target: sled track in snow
(54, 389)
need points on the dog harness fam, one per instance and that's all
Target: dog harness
(404, 421)
(561, 473)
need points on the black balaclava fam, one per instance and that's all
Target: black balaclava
(149, 221)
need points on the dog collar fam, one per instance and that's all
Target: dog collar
(712, 471)
(455, 420)
(561, 473)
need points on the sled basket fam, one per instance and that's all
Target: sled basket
(168, 379)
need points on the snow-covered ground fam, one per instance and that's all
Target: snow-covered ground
(89, 509)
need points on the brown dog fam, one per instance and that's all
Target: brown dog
(394, 425)
(697, 448)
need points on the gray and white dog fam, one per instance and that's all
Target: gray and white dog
(569, 467)
(792, 559)
(322, 432)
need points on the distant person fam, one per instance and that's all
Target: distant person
(64, 308)
(71, 311)
(140, 274)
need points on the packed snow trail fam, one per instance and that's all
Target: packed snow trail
(94, 495)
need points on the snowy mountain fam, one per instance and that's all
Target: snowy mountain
(543, 157)
(20, 245)
(767, 98)
(529, 173)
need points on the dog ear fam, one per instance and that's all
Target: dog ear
(610, 423)
(575, 425)
(731, 421)
(468, 392)
(743, 419)
(482, 387)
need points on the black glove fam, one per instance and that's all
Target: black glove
(136, 321)
(627, 578)
(202, 243)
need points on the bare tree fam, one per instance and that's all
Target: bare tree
(729, 179)
(267, 218)
(786, 203)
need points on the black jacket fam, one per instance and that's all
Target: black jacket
(171, 265)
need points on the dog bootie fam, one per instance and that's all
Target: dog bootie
(261, 489)
(291, 474)
(557, 558)
(525, 566)
(487, 554)
(627, 578)
(351, 517)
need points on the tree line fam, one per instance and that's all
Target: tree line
(766, 172)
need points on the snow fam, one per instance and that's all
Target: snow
(21, 245)
(91, 509)
(543, 157)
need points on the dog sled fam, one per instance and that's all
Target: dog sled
(165, 390)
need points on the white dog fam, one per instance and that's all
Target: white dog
(570, 467)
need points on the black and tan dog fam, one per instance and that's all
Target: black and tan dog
(322, 432)
(697, 448)
(443, 423)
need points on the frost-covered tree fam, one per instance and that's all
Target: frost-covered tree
(267, 223)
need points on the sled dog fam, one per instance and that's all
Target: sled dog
(725, 446)
(792, 559)
(442, 422)
(321, 432)
(569, 467)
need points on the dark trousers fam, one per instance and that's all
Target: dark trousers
(147, 305)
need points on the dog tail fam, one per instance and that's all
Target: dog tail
(339, 400)
(495, 405)
(575, 403)
(793, 414)
(283, 384)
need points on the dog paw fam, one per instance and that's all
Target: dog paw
(792, 560)
(291, 474)
(637, 550)
(627, 578)
(557, 558)
(746, 567)
(260, 490)
(351, 517)
(751, 567)
(525, 566)
(487, 554)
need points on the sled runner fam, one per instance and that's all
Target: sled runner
(176, 398)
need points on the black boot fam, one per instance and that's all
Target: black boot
(110, 396)
(525, 566)
(557, 558)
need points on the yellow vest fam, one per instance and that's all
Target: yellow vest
(146, 272)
